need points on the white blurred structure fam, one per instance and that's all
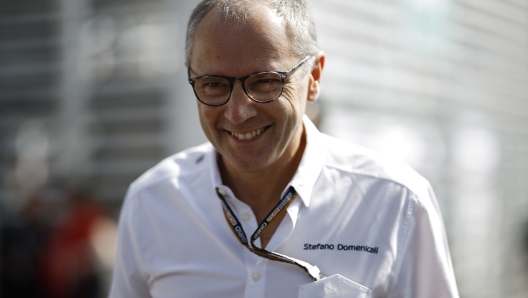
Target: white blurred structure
(442, 85)
(101, 88)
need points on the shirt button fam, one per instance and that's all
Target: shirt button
(222, 191)
(255, 276)
(246, 216)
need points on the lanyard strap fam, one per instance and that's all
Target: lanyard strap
(237, 229)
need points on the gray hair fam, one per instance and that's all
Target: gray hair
(300, 26)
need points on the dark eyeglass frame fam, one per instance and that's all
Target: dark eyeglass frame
(282, 74)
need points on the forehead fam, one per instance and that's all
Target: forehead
(230, 48)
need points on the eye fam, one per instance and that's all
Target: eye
(264, 82)
(212, 86)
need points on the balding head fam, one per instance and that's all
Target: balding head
(297, 20)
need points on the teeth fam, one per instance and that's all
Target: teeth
(247, 136)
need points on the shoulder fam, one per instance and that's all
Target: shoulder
(360, 161)
(189, 162)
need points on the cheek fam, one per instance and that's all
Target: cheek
(208, 119)
(207, 114)
(291, 111)
(294, 101)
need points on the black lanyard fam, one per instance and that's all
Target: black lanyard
(235, 225)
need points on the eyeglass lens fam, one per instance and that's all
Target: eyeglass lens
(261, 87)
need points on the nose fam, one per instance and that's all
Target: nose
(240, 107)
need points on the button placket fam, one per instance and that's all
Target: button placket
(246, 216)
(256, 281)
(257, 273)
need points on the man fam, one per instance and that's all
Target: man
(270, 207)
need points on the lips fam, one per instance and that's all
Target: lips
(248, 135)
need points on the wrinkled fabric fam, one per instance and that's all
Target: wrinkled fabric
(371, 224)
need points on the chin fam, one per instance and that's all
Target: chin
(247, 165)
(248, 161)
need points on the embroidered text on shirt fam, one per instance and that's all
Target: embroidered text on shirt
(320, 246)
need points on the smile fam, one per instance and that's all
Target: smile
(247, 135)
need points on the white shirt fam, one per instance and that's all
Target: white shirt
(369, 223)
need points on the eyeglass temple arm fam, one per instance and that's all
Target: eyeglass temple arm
(298, 65)
(189, 75)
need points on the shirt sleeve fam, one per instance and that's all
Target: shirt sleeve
(129, 279)
(426, 269)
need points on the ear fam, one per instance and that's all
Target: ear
(314, 86)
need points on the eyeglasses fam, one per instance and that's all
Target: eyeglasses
(260, 87)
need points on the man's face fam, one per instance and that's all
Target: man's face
(271, 131)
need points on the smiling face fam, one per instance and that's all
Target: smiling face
(250, 136)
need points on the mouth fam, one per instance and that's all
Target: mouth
(248, 135)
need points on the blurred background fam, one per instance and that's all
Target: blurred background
(94, 92)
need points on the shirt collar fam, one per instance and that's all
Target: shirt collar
(311, 163)
(215, 172)
(307, 173)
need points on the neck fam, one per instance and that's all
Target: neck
(261, 189)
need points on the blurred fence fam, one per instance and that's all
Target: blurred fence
(92, 93)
